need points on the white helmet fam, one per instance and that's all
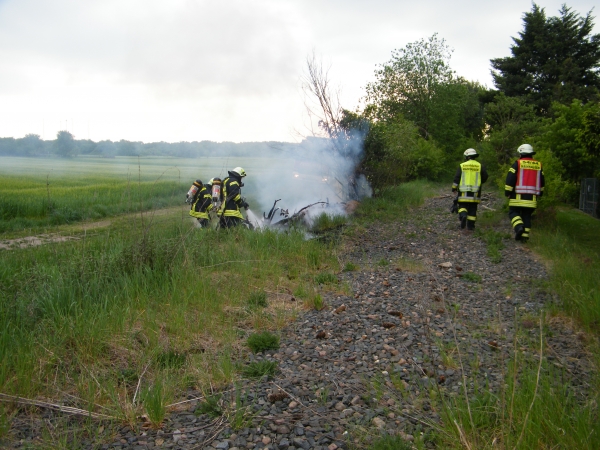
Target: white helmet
(471, 153)
(525, 149)
(241, 172)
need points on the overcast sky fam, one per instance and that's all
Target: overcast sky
(221, 70)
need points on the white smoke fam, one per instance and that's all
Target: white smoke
(321, 170)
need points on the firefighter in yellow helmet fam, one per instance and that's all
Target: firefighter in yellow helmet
(524, 185)
(468, 181)
(201, 201)
(231, 199)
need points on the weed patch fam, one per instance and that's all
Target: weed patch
(259, 342)
(315, 302)
(471, 277)
(326, 278)
(259, 369)
(171, 360)
(390, 443)
(350, 267)
(257, 299)
(211, 406)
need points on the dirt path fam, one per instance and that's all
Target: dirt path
(75, 230)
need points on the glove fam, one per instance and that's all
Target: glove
(245, 205)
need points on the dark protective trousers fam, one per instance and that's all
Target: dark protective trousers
(228, 222)
(521, 216)
(203, 223)
(468, 210)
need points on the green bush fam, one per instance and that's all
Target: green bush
(395, 153)
(259, 342)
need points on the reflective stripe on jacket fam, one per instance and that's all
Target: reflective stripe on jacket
(231, 196)
(202, 204)
(470, 179)
(524, 183)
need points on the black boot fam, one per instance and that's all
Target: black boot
(519, 230)
(463, 220)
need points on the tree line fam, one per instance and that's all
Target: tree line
(65, 145)
(419, 116)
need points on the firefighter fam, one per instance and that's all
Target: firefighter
(524, 184)
(231, 199)
(467, 181)
(201, 202)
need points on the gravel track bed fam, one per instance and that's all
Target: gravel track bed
(427, 306)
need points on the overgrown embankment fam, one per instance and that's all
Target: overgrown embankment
(428, 336)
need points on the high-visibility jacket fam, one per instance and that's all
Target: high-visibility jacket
(468, 180)
(524, 183)
(201, 204)
(231, 197)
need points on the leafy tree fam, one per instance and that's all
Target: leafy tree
(419, 84)
(565, 136)
(395, 153)
(31, 145)
(553, 59)
(510, 123)
(589, 135)
(65, 144)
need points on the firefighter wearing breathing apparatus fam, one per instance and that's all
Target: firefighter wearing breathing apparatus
(201, 202)
(231, 199)
(524, 184)
(467, 181)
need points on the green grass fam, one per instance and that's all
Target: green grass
(316, 302)
(259, 342)
(46, 192)
(257, 299)
(572, 244)
(471, 277)
(154, 401)
(325, 222)
(211, 406)
(350, 267)
(390, 443)
(393, 202)
(561, 415)
(259, 369)
(98, 311)
(326, 278)
(557, 418)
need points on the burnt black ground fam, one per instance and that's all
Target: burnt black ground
(354, 370)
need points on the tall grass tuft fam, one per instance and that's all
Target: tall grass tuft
(154, 402)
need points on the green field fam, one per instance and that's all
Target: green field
(42, 192)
